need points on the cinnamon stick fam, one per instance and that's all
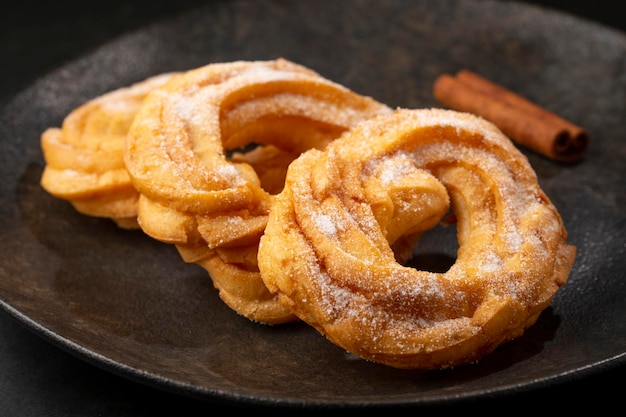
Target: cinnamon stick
(523, 121)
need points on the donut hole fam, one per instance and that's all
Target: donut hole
(436, 250)
(268, 161)
(270, 143)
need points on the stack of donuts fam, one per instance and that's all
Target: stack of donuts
(303, 200)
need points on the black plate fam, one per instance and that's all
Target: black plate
(130, 305)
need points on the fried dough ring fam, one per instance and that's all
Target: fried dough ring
(326, 248)
(85, 157)
(212, 206)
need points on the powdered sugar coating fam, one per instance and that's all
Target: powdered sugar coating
(188, 153)
(393, 176)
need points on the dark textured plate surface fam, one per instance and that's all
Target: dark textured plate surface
(130, 305)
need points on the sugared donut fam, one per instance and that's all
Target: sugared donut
(327, 248)
(201, 147)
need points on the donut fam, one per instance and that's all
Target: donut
(328, 247)
(85, 156)
(203, 147)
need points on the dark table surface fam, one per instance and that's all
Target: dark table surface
(39, 379)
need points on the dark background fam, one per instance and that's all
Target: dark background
(37, 36)
(38, 379)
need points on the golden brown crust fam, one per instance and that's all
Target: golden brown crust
(85, 157)
(326, 250)
(187, 153)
